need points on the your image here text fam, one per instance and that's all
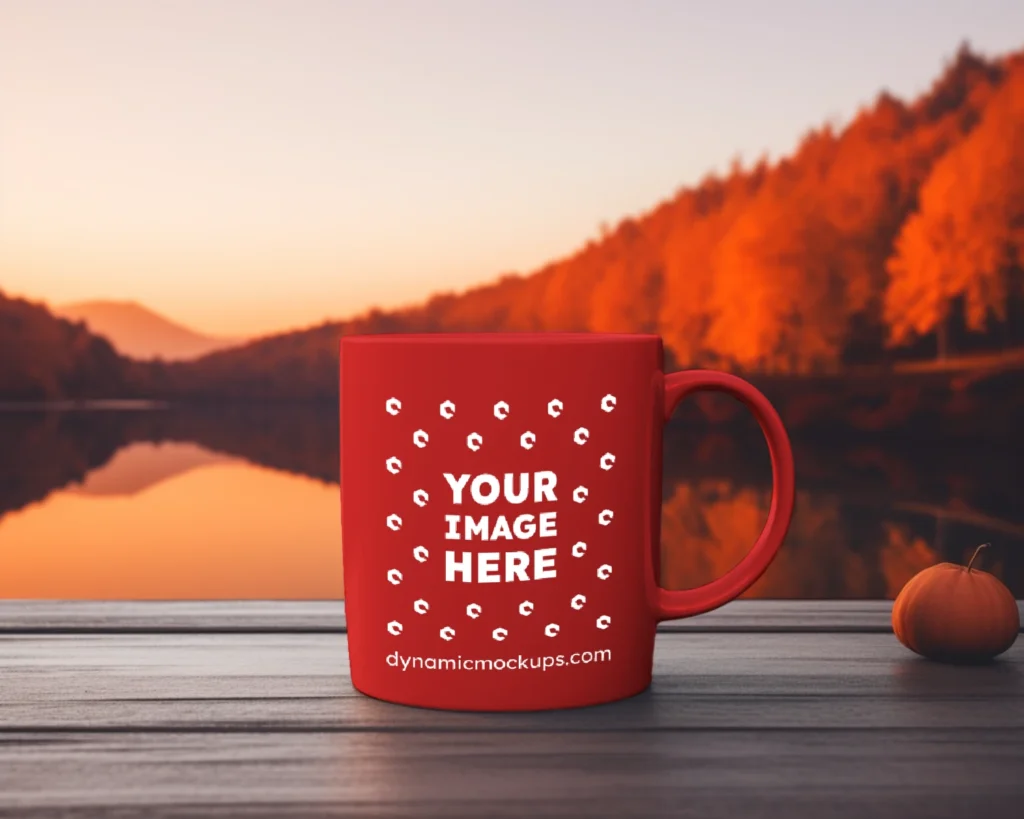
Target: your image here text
(496, 567)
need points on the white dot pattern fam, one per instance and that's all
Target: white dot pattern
(528, 439)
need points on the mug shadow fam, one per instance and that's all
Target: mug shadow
(634, 713)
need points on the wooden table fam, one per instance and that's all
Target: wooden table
(245, 709)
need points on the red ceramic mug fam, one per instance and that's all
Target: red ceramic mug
(501, 505)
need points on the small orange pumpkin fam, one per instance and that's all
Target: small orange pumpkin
(956, 613)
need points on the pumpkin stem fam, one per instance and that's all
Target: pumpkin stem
(975, 555)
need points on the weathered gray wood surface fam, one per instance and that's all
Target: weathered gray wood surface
(267, 725)
(30, 617)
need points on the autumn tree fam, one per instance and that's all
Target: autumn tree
(700, 219)
(777, 296)
(966, 241)
(628, 287)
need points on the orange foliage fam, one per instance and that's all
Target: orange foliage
(905, 556)
(701, 221)
(626, 298)
(776, 302)
(777, 268)
(708, 527)
(967, 238)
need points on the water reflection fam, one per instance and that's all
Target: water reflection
(709, 525)
(141, 466)
(243, 503)
(176, 521)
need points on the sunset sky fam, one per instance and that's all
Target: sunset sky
(250, 166)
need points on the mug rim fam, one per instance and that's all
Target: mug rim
(502, 337)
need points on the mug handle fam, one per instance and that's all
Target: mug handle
(670, 605)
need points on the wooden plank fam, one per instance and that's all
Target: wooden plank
(157, 616)
(885, 774)
(268, 725)
(300, 683)
(260, 616)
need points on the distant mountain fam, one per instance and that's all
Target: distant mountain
(45, 358)
(897, 237)
(140, 333)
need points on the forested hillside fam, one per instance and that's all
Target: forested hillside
(900, 236)
(44, 358)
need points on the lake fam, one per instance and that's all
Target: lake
(237, 503)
